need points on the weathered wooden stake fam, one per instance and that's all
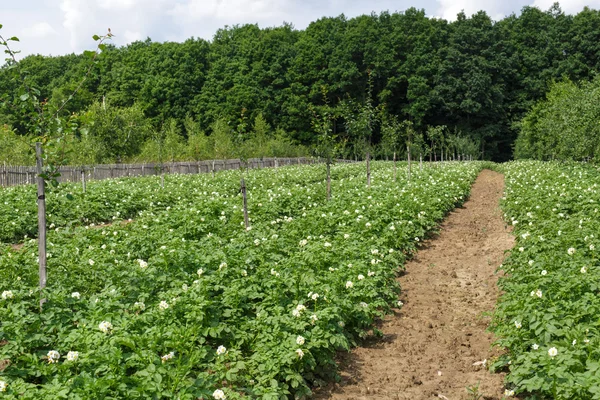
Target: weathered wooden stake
(83, 179)
(328, 181)
(394, 166)
(420, 162)
(368, 169)
(408, 154)
(41, 202)
(246, 219)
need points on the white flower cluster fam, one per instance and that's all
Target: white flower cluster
(72, 356)
(300, 340)
(163, 305)
(7, 294)
(76, 295)
(221, 350)
(143, 264)
(219, 395)
(167, 357)
(298, 310)
(3, 386)
(53, 356)
(105, 327)
(139, 305)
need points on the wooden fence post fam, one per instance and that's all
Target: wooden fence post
(246, 219)
(394, 166)
(369, 169)
(41, 201)
(83, 179)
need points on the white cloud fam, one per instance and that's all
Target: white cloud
(39, 30)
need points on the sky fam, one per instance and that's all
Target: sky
(56, 27)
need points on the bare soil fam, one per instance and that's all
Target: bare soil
(449, 291)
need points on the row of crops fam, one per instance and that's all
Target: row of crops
(119, 199)
(549, 315)
(183, 302)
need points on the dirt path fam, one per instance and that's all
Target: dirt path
(429, 348)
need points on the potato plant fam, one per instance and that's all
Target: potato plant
(547, 317)
(185, 303)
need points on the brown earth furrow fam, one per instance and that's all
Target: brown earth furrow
(429, 347)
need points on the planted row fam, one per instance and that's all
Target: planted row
(547, 317)
(185, 303)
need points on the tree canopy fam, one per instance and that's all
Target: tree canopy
(475, 75)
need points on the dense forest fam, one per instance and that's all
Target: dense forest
(474, 77)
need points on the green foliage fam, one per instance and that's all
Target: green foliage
(563, 126)
(15, 149)
(120, 131)
(547, 317)
(184, 278)
(473, 75)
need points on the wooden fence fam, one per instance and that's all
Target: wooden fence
(22, 175)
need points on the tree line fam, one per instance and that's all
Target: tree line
(452, 87)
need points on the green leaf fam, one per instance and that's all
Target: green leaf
(96, 37)
(24, 97)
(14, 39)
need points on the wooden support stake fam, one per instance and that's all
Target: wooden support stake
(408, 154)
(394, 166)
(420, 162)
(41, 202)
(83, 179)
(328, 181)
(369, 169)
(246, 219)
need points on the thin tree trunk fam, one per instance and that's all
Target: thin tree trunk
(41, 201)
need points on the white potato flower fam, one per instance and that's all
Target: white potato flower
(300, 340)
(53, 356)
(105, 327)
(72, 356)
